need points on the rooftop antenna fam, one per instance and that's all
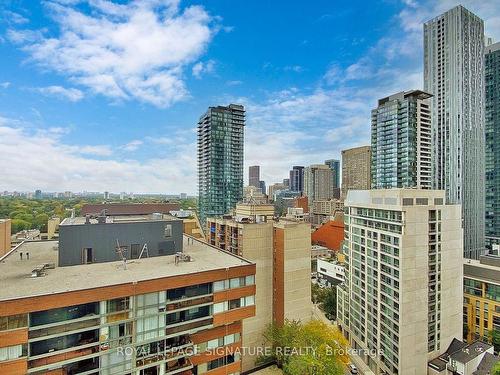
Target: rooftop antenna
(121, 251)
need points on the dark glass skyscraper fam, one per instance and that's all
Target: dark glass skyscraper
(220, 160)
(297, 178)
(492, 128)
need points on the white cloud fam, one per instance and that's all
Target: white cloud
(59, 166)
(124, 51)
(14, 17)
(4, 85)
(133, 145)
(99, 150)
(201, 68)
(70, 94)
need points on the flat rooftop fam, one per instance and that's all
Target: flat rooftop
(81, 220)
(16, 280)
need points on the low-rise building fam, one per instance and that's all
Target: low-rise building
(330, 234)
(165, 314)
(481, 296)
(460, 358)
(330, 272)
(324, 210)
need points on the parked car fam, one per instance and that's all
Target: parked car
(353, 369)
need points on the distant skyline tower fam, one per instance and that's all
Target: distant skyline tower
(492, 126)
(318, 182)
(356, 169)
(297, 178)
(220, 160)
(334, 165)
(401, 141)
(262, 185)
(38, 194)
(254, 176)
(454, 74)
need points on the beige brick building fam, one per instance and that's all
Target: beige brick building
(356, 169)
(5, 226)
(282, 254)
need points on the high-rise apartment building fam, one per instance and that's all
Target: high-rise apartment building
(143, 316)
(254, 176)
(401, 141)
(220, 160)
(281, 251)
(318, 182)
(454, 75)
(402, 296)
(356, 169)
(492, 82)
(297, 178)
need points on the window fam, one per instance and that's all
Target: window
(13, 322)
(168, 230)
(13, 352)
(117, 304)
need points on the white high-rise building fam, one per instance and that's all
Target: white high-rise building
(454, 75)
(401, 301)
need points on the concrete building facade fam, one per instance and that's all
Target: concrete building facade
(5, 236)
(220, 160)
(402, 294)
(454, 74)
(282, 254)
(356, 169)
(401, 142)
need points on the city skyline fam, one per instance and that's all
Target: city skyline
(143, 137)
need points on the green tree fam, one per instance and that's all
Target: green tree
(314, 348)
(496, 369)
(326, 298)
(494, 338)
(18, 225)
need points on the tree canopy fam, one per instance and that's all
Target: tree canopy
(314, 348)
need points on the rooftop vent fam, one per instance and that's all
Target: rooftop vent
(41, 270)
(181, 257)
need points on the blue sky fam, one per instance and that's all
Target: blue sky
(99, 95)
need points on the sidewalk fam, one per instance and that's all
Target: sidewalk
(356, 360)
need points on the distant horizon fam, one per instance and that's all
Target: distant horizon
(79, 109)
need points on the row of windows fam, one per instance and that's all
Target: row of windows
(234, 304)
(234, 283)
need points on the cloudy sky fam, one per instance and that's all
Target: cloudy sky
(99, 95)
